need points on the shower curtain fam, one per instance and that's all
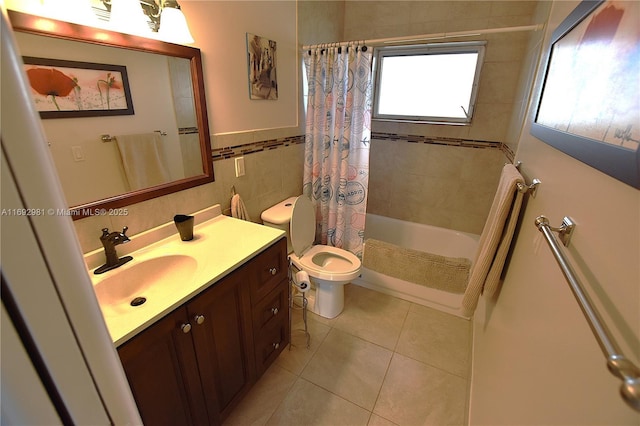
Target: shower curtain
(337, 140)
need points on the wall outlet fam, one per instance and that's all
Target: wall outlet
(239, 166)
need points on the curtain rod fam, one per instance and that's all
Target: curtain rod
(425, 37)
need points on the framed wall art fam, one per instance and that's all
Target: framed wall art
(261, 58)
(63, 89)
(589, 104)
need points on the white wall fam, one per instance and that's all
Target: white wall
(220, 29)
(535, 358)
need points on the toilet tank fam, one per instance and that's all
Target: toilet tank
(279, 216)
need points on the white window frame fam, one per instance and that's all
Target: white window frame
(429, 49)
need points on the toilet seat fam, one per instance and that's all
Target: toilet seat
(319, 261)
(328, 263)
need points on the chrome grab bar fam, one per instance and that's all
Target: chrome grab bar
(617, 364)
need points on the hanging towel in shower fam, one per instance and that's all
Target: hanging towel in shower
(238, 209)
(495, 239)
(143, 160)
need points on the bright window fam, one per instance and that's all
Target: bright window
(429, 83)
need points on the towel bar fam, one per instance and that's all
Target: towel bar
(108, 138)
(617, 364)
(531, 189)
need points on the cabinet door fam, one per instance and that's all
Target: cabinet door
(162, 371)
(222, 336)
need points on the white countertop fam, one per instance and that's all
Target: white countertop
(220, 245)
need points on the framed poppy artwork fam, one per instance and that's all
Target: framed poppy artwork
(589, 106)
(64, 89)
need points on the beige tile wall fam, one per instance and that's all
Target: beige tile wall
(320, 21)
(444, 185)
(504, 56)
(527, 75)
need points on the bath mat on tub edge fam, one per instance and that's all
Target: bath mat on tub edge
(431, 270)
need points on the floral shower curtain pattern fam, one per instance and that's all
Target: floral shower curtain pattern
(337, 141)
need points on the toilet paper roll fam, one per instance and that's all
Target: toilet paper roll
(302, 281)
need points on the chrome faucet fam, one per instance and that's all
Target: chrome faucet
(110, 240)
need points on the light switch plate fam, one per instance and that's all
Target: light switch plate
(78, 154)
(239, 166)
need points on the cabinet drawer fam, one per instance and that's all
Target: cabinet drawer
(270, 343)
(269, 269)
(272, 308)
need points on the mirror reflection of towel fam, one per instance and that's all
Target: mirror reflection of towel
(143, 160)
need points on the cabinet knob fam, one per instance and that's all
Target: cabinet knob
(276, 345)
(274, 311)
(185, 328)
(199, 319)
(273, 271)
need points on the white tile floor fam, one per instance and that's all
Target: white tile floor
(382, 361)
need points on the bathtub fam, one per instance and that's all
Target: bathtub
(427, 238)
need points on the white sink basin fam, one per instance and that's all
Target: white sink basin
(146, 281)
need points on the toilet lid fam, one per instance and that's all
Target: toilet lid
(303, 225)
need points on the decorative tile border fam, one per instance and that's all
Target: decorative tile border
(508, 152)
(467, 143)
(187, 130)
(250, 148)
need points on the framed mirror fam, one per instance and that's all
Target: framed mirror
(103, 159)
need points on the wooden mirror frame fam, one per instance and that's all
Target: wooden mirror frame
(38, 25)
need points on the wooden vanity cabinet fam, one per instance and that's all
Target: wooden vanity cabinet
(271, 326)
(193, 366)
(223, 341)
(270, 304)
(163, 374)
(268, 270)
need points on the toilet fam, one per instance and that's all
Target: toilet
(329, 268)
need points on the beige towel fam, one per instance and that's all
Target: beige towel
(238, 209)
(427, 269)
(495, 239)
(142, 159)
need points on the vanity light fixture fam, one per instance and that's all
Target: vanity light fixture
(160, 19)
(163, 17)
(127, 17)
(76, 11)
(174, 24)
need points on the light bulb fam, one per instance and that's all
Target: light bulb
(173, 26)
(127, 17)
(76, 11)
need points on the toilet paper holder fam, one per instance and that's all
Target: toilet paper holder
(300, 283)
